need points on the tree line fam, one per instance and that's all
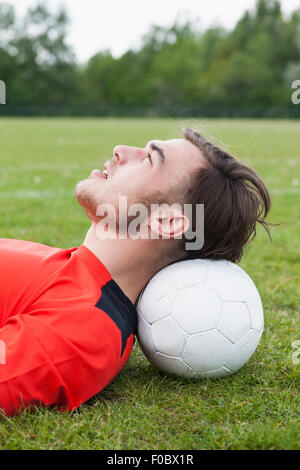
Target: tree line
(251, 66)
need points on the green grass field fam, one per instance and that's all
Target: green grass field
(41, 160)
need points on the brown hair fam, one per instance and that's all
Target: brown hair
(235, 199)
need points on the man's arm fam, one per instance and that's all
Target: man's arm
(60, 360)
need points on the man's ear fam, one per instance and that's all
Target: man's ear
(168, 222)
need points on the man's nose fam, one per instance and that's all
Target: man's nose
(125, 153)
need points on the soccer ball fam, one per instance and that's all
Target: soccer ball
(200, 318)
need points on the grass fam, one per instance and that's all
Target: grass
(256, 408)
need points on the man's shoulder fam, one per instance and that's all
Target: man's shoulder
(25, 259)
(12, 244)
(26, 270)
(30, 251)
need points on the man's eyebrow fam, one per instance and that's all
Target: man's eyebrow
(159, 150)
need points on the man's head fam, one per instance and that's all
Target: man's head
(189, 170)
(156, 172)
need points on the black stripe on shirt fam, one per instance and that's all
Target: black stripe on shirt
(119, 308)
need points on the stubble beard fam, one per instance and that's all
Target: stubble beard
(86, 196)
(87, 200)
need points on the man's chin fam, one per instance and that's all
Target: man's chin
(86, 199)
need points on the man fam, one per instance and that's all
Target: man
(67, 317)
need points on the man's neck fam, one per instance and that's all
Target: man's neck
(131, 263)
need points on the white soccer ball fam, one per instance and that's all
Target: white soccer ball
(200, 318)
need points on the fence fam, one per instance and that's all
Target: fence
(290, 112)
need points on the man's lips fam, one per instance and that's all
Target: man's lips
(103, 174)
(107, 165)
(98, 173)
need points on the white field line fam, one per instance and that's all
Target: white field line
(49, 194)
(35, 194)
(284, 191)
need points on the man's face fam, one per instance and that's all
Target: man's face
(163, 167)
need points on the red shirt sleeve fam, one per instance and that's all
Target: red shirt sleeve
(61, 365)
(66, 329)
(24, 268)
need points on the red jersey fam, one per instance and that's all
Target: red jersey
(66, 328)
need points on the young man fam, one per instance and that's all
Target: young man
(67, 317)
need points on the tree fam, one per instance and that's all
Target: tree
(36, 63)
(179, 67)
